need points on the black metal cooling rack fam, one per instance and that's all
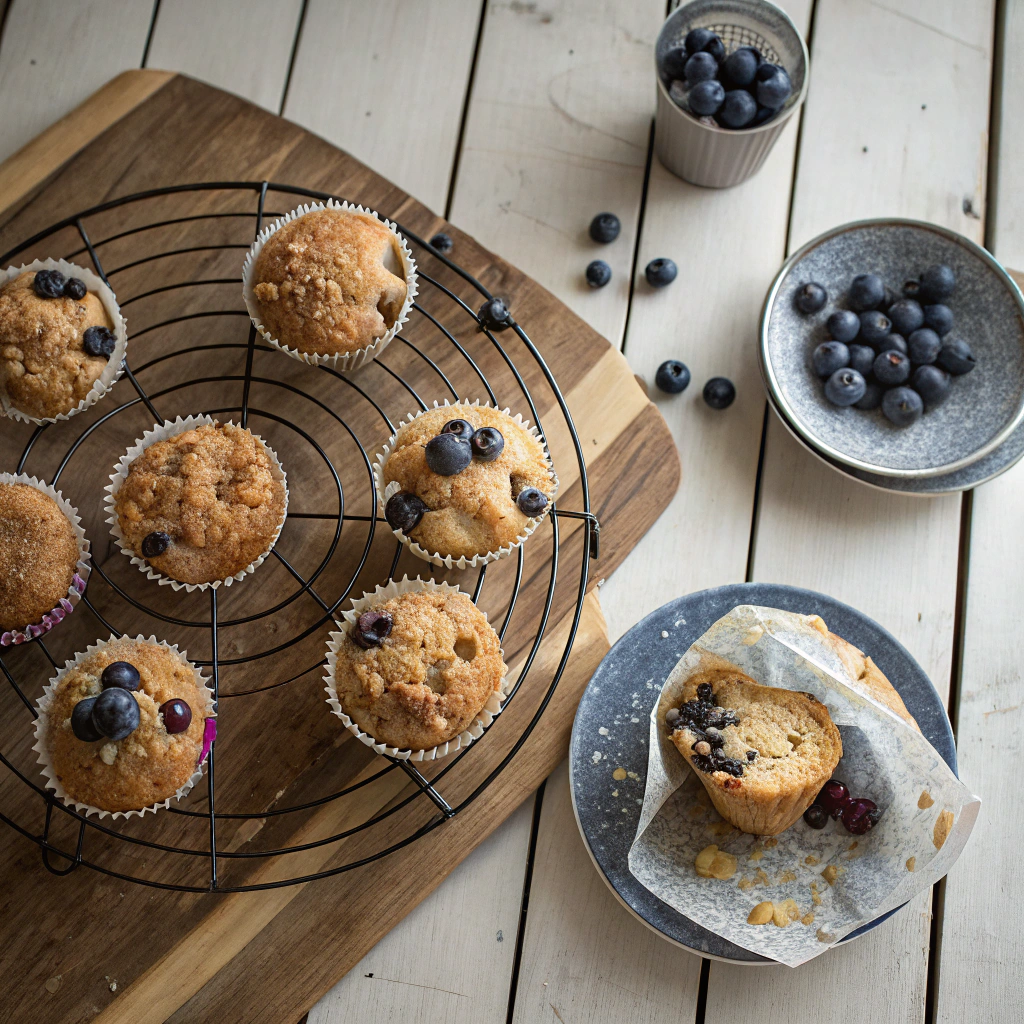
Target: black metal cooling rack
(322, 610)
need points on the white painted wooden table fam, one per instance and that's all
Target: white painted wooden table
(520, 120)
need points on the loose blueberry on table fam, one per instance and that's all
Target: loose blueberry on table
(494, 315)
(660, 272)
(672, 377)
(719, 392)
(605, 228)
(442, 242)
(598, 273)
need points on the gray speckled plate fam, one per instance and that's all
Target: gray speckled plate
(985, 406)
(612, 725)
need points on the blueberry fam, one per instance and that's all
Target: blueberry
(939, 318)
(912, 289)
(532, 502)
(460, 428)
(741, 65)
(372, 629)
(75, 288)
(773, 89)
(938, 282)
(816, 816)
(866, 292)
(120, 673)
(605, 227)
(906, 316)
(494, 314)
(830, 356)
(738, 110)
(177, 715)
(660, 272)
(895, 341)
(902, 406)
(154, 544)
(956, 357)
(448, 454)
(487, 444)
(49, 284)
(715, 47)
(719, 392)
(404, 511)
(442, 242)
(116, 713)
(843, 325)
(872, 397)
(697, 38)
(701, 67)
(862, 358)
(834, 796)
(923, 345)
(811, 297)
(932, 384)
(99, 341)
(673, 63)
(763, 114)
(860, 816)
(888, 298)
(706, 98)
(672, 376)
(845, 387)
(874, 327)
(81, 721)
(598, 273)
(891, 368)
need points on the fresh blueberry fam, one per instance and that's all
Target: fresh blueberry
(660, 272)
(862, 358)
(811, 297)
(701, 67)
(442, 242)
(843, 325)
(120, 673)
(177, 715)
(598, 273)
(605, 227)
(763, 114)
(860, 816)
(845, 387)
(773, 89)
(672, 64)
(532, 502)
(938, 282)
(116, 713)
(706, 98)
(816, 816)
(939, 318)
(49, 284)
(404, 511)
(697, 38)
(81, 721)
(956, 357)
(874, 327)
(866, 292)
(830, 356)
(75, 288)
(487, 444)
(494, 314)
(738, 110)
(912, 289)
(932, 384)
(741, 65)
(888, 298)
(906, 316)
(902, 406)
(155, 544)
(99, 341)
(872, 397)
(672, 376)
(891, 368)
(719, 392)
(448, 454)
(460, 428)
(372, 629)
(895, 341)
(715, 47)
(923, 345)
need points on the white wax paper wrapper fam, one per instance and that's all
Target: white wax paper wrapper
(884, 759)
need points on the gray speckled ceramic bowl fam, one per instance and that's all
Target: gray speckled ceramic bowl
(984, 407)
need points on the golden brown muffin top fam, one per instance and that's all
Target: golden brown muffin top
(211, 489)
(475, 511)
(44, 369)
(148, 765)
(38, 555)
(431, 676)
(324, 284)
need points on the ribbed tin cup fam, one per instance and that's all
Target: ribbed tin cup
(705, 154)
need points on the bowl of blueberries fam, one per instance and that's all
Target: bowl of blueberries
(895, 347)
(730, 75)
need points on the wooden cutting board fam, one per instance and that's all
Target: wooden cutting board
(269, 955)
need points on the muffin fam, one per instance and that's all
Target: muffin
(43, 558)
(123, 727)
(59, 342)
(201, 505)
(415, 666)
(465, 482)
(328, 283)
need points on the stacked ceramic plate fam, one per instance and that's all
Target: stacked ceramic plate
(975, 434)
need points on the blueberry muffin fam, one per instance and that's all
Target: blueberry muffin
(415, 670)
(329, 282)
(468, 480)
(202, 505)
(123, 729)
(56, 339)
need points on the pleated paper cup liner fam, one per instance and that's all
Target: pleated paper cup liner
(115, 364)
(83, 567)
(382, 593)
(341, 361)
(387, 491)
(41, 724)
(162, 433)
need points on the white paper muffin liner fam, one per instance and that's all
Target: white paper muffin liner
(66, 605)
(162, 433)
(340, 361)
(382, 593)
(462, 562)
(40, 747)
(115, 364)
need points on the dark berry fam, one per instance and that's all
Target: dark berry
(672, 376)
(833, 797)
(866, 292)
(811, 297)
(872, 397)
(660, 272)
(116, 713)
(448, 454)
(404, 511)
(751, 755)
(860, 816)
(75, 288)
(932, 384)
(460, 428)
(906, 316)
(706, 98)
(939, 318)
(81, 721)
(763, 114)
(705, 692)
(843, 325)
(99, 341)
(765, 71)
(672, 64)
(120, 673)
(372, 629)
(902, 406)
(956, 357)
(605, 227)
(532, 502)
(912, 289)
(701, 67)
(738, 110)
(830, 356)
(923, 345)
(697, 39)
(442, 242)
(862, 358)
(487, 444)
(741, 65)
(891, 368)
(719, 392)
(845, 387)
(888, 298)
(177, 715)
(598, 273)
(49, 284)
(816, 816)
(154, 544)
(874, 326)
(494, 314)
(938, 283)
(773, 89)
(715, 47)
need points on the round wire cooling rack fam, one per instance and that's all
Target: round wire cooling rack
(346, 407)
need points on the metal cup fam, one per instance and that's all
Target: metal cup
(705, 154)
